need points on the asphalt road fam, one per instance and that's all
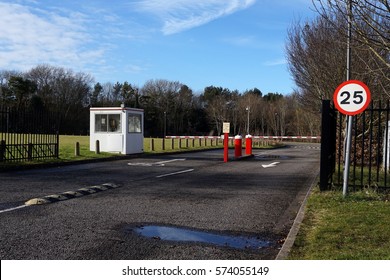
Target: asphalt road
(194, 191)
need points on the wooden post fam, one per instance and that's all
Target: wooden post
(151, 144)
(77, 149)
(97, 147)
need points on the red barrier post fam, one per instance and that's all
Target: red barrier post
(237, 146)
(248, 144)
(226, 147)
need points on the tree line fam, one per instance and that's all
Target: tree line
(317, 49)
(171, 108)
(316, 55)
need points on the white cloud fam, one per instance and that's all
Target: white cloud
(31, 36)
(181, 15)
(276, 62)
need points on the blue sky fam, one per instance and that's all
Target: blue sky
(236, 44)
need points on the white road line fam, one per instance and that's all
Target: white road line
(12, 209)
(172, 160)
(174, 173)
(160, 163)
(270, 165)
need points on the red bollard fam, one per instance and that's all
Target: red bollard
(237, 146)
(248, 144)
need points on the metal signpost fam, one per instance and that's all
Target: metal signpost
(350, 98)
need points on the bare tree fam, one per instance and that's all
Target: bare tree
(370, 31)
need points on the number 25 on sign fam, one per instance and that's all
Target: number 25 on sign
(352, 97)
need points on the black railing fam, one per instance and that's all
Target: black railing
(27, 135)
(370, 149)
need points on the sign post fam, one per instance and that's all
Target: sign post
(226, 130)
(350, 98)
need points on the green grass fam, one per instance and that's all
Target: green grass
(354, 228)
(67, 148)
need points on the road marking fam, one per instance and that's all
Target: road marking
(174, 173)
(12, 209)
(270, 165)
(140, 164)
(171, 160)
(160, 163)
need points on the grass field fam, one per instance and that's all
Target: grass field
(353, 228)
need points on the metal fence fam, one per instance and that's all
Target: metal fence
(370, 149)
(27, 135)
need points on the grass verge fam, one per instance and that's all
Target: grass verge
(353, 228)
(67, 149)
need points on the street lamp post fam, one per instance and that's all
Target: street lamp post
(247, 128)
(165, 124)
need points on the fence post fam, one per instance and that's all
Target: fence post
(29, 151)
(57, 145)
(151, 144)
(2, 150)
(386, 147)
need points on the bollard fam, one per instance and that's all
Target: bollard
(97, 147)
(163, 144)
(237, 146)
(172, 144)
(248, 144)
(77, 149)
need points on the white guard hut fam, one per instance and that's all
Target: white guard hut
(118, 129)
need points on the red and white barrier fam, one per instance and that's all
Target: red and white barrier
(253, 137)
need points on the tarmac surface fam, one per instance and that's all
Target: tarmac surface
(255, 199)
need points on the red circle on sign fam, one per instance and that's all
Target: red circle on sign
(352, 97)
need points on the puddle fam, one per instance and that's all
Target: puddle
(186, 235)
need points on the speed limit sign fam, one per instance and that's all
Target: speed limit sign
(352, 97)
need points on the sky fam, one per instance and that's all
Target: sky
(234, 44)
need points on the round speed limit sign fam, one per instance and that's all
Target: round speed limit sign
(352, 97)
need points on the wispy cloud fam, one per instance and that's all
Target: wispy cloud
(181, 15)
(29, 36)
(276, 62)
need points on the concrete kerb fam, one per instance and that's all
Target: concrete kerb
(70, 194)
(290, 239)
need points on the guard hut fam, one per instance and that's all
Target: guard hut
(118, 129)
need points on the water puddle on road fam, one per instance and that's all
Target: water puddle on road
(186, 235)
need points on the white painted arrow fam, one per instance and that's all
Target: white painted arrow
(270, 165)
